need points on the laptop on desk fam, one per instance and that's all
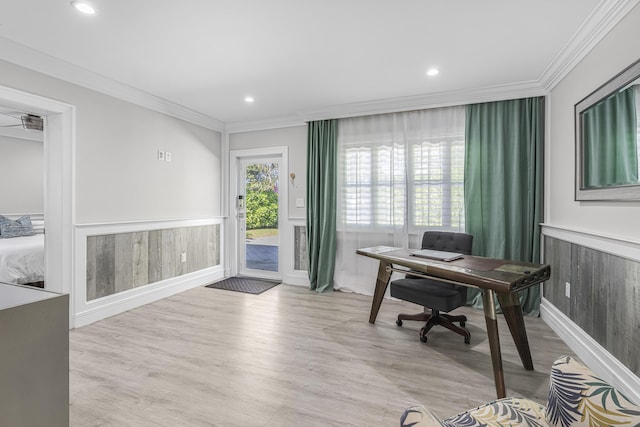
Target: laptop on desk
(437, 255)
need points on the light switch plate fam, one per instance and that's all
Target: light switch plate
(167, 156)
(300, 203)
(161, 155)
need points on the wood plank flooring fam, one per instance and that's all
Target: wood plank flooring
(287, 357)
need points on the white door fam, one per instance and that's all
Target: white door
(259, 217)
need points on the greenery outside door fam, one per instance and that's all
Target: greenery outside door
(259, 223)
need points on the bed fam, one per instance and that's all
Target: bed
(22, 258)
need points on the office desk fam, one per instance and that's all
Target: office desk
(502, 278)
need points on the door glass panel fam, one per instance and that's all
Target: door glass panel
(261, 217)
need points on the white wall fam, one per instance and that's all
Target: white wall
(118, 176)
(21, 175)
(293, 137)
(614, 53)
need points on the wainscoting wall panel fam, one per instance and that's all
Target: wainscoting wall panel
(604, 296)
(300, 247)
(123, 261)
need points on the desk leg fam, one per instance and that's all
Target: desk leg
(512, 311)
(494, 340)
(381, 287)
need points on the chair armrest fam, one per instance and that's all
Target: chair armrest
(419, 416)
(577, 397)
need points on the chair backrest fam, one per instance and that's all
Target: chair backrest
(447, 241)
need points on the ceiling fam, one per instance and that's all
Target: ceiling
(297, 57)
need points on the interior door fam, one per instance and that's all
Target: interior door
(259, 217)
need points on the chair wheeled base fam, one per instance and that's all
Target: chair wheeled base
(437, 318)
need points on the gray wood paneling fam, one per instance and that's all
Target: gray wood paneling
(140, 259)
(105, 265)
(300, 247)
(91, 269)
(558, 254)
(169, 268)
(123, 261)
(605, 296)
(155, 256)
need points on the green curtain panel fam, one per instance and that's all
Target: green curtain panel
(610, 141)
(503, 184)
(321, 203)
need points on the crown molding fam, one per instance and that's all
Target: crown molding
(597, 25)
(276, 123)
(27, 57)
(602, 19)
(432, 100)
(394, 105)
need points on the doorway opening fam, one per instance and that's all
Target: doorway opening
(259, 217)
(58, 181)
(260, 222)
(260, 205)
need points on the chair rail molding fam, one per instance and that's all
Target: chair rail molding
(86, 312)
(614, 245)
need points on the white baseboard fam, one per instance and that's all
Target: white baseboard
(119, 303)
(596, 357)
(298, 278)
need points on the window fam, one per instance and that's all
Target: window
(402, 171)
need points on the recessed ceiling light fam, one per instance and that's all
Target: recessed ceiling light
(433, 72)
(84, 7)
(249, 99)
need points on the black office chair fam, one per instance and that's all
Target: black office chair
(434, 294)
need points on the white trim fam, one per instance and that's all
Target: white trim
(147, 225)
(392, 105)
(90, 311)
(432, 100)
(604, 17)
(613, 245)
(115, 304)
(30, 58)
(224, 175)
(20, 133)
(293, 276)
(59, 185)
(591, 352)
(277, 123)
(297, 278)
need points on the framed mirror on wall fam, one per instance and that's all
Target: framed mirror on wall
(608, 140)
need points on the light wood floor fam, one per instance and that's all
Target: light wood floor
(288, 357)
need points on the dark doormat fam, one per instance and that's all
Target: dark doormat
(244, 284)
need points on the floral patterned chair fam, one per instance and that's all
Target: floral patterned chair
(576, 398)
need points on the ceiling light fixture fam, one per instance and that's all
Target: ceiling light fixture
(249, 99)
(433, 72)
(84, 7)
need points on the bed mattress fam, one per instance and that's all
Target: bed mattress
(22, 259)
